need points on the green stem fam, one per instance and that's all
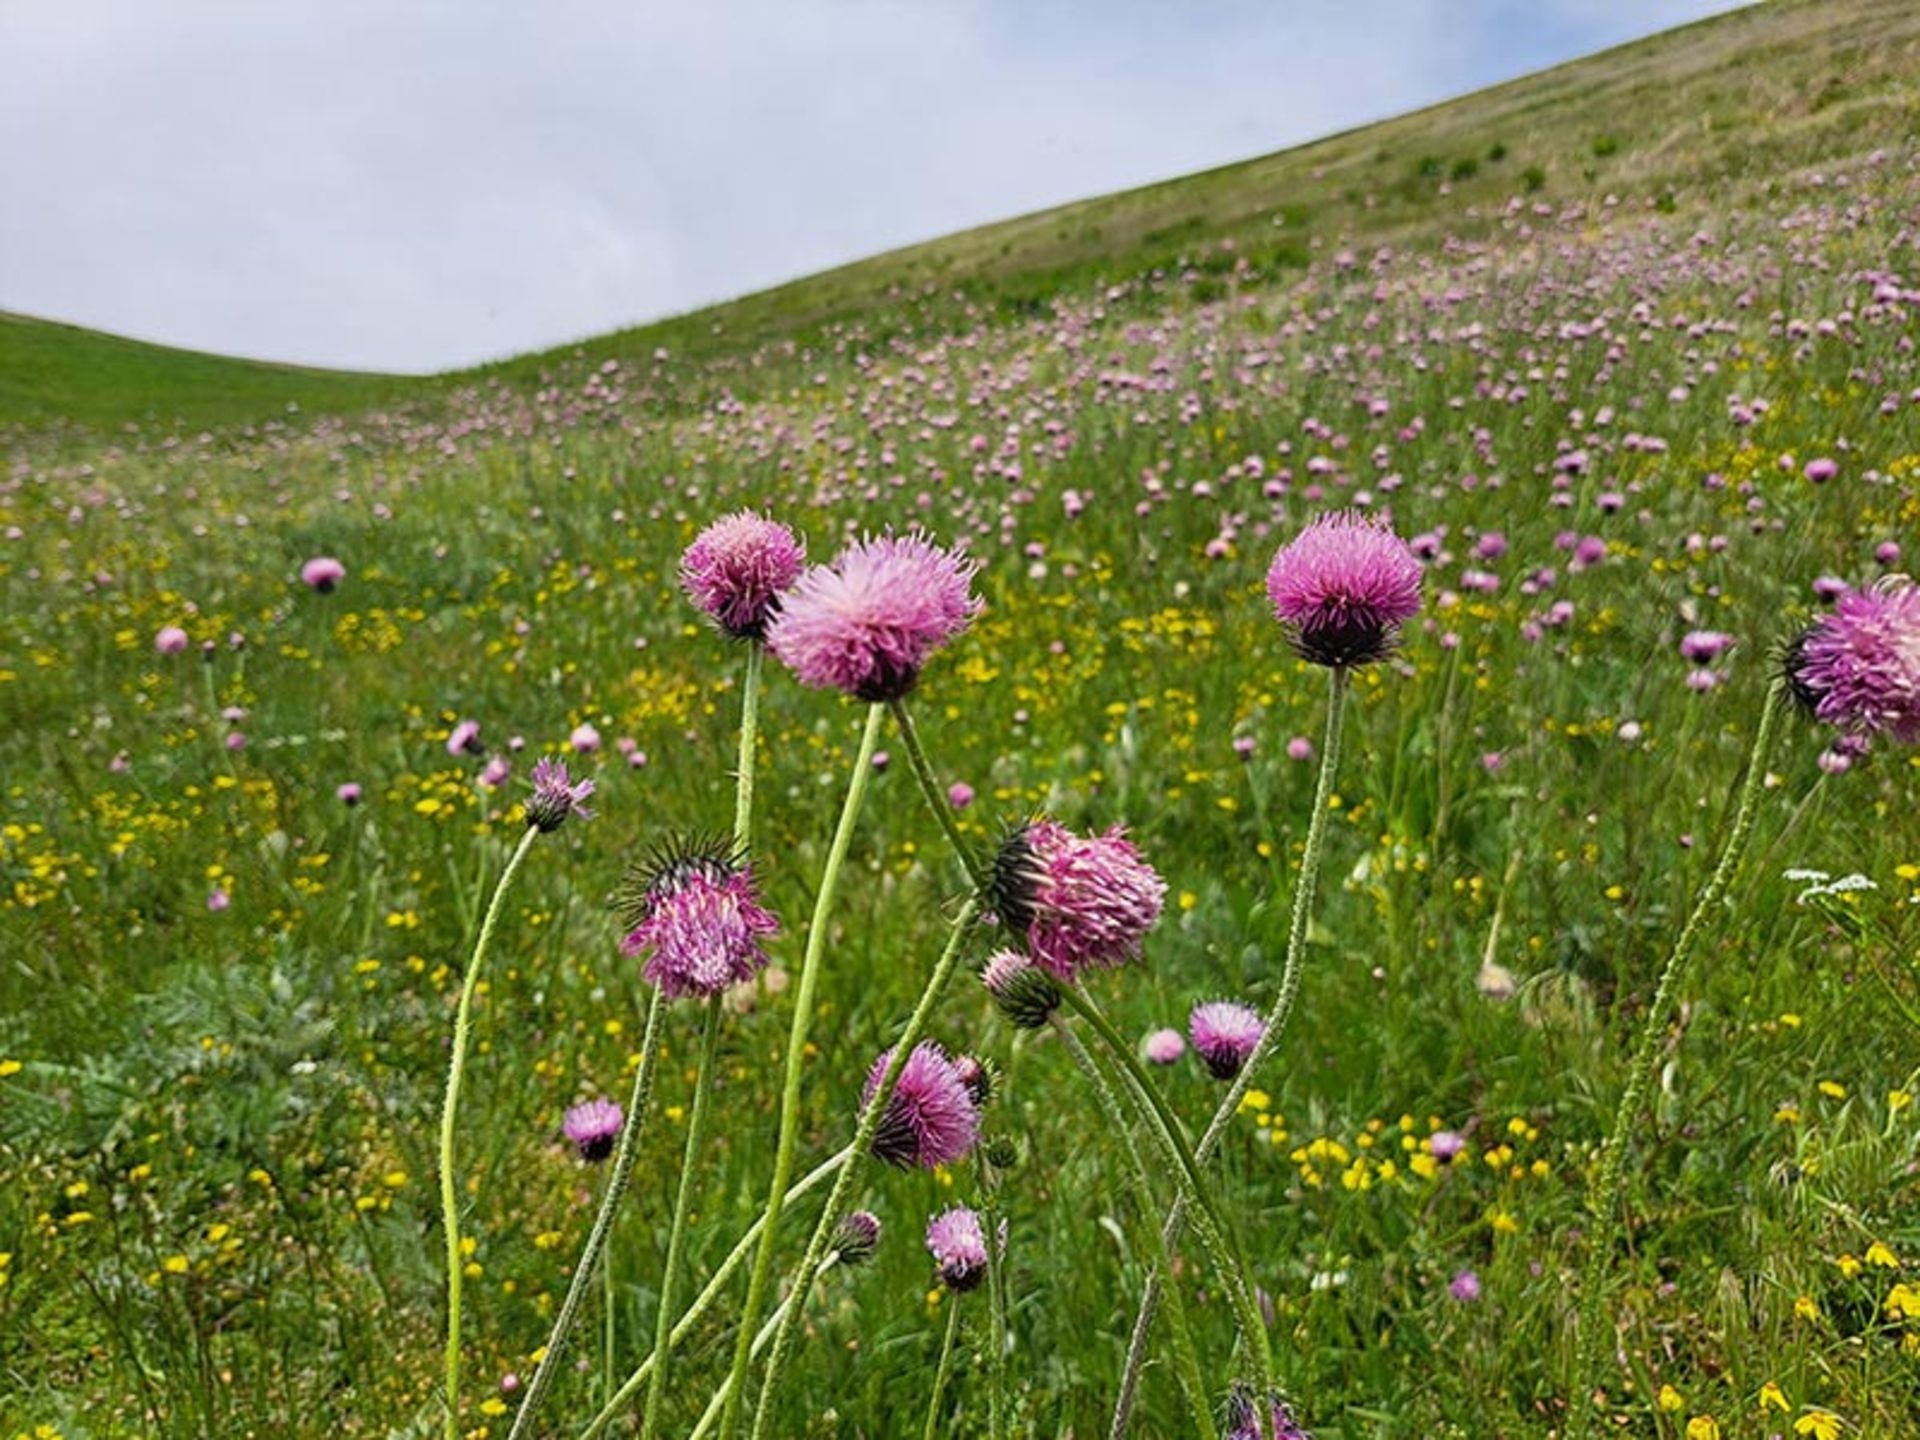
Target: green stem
(1603, 1200)
(714, 1287)
(1214, 1234)
(1275, 1027)
(601, 1235)
(936, 800)
(683, 1202)
(449, 1122)
(608, 1321)
(749, 736)
(946, 1362)
(997, 1323)
(796, 1055)
(774, 1321)
(842, 1192)
(1191, 1384)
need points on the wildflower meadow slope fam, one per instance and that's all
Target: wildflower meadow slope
(1634, 381)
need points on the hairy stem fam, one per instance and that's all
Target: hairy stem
(449, 1125)
(682, 1204)
(842, 1192)
(1275, 1026)
(704, 1301)
(712, 1413)
(936, 799)
(796, 1055)
(1188, 1363)
(946, 1363)
(598, 1238)
(1603, 1199)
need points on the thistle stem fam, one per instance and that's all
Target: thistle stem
(863, 1135)
(1604, 1198)
(682, 1204)
(946, 1363)
(796, 1055)
(704, 1301)
(749, 739)
(774, 1321)
(936, 801)
(449, 1123)
(602, 1233)
(1188, 1363)
(1274, 1027)
(1174, 1145)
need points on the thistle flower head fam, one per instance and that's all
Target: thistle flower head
(1858, 667)
(737, 569)
(1343, 587)
(958, 1243)
(866, 623)
(694, 911)
(1078, 901)
(593, 1127)
(1164, 1047)
(857, 1237)
(931, 1118)
(1021, 990)
(556, 795)
(1244, 1421)
(1225, 1034)
(322, 573)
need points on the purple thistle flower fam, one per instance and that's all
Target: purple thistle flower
(737, 569)
(1464, 1287)
(1164, 1047)
(931, 1118)
(958, 1244)
(1858, 668)
(1243, 1418)
(556, 795)
(1225, 1033)
(1446, 1145)
(1021, 990)
(1343, 586)
(857, 1237)
(322, 573)
(464, 738)
(1079, 901)
(593, 1127)
(169, 640)
(694, 910)
(866, 623)
(348, 794)
(1701, 646)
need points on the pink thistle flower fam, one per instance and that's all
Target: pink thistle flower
(1021, 990)
(556, 795)
(958, 1244)
(1079, 901)
(464, 738)
(1164, 1047)
(1244, 1421)
(737, 569)
(1343, 587)
(867, 623)
(593, 1127)
(322, 573)
(348, 794)
(1225, 1034)
(960, 795)
(695, 912)
(1464, 1287)
(170, 640)
(931, 1118)
(1701, 646)
(1858, 668)
(1822, 470)
(585, 739)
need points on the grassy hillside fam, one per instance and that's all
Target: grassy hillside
(1677, 119)
(51, 372)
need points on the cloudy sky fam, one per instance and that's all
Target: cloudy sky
(412, 185)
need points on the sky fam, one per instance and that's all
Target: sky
(415, 185)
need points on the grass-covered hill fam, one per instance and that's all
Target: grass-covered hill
(1716, 109)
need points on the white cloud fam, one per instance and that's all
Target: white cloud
(415, 185)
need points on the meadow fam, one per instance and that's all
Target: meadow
(1610, 413)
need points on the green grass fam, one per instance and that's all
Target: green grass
(217, 1126)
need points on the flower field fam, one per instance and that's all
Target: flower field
(1636, 442)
